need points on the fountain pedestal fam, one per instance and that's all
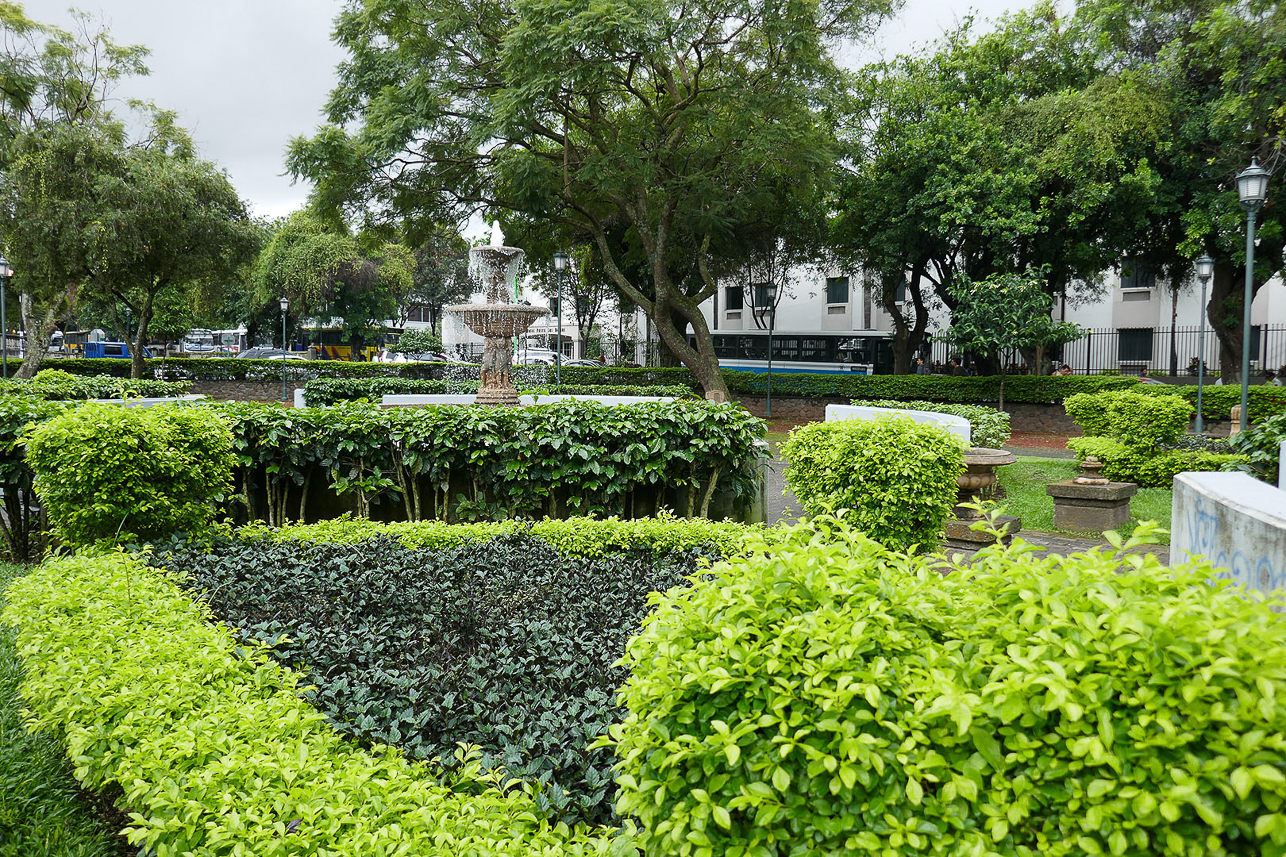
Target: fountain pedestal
(498, 320)
(978, 482)
(1089, 502)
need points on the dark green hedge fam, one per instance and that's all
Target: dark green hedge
(505, 644)
(1217, 402)
(1019, 389)
(330, 391)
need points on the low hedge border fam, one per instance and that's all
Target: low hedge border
(329, 391)
(1019, 389)
(585, 537)
(214, 749)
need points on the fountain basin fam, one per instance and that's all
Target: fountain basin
(497, 321)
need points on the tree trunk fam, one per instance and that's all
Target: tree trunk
(1224, 312)
(1174, 319)
(38, 330)
(138, 349)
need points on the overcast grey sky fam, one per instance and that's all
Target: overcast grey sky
(245, 76)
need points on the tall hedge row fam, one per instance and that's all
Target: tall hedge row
(443, 462)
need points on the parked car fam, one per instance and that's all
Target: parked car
(265, 353)
(582, 361)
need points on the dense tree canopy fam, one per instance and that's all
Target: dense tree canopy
(655, 129)
(329, 275)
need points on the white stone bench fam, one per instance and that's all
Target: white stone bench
(958, 426)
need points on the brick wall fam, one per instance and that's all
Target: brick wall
(243, 391)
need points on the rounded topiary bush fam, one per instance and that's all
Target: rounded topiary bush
(831, 697)
(896, 475)
(107, 472)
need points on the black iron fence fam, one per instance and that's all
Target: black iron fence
(1143, 351)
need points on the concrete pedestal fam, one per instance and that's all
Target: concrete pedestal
(962, 536)
(1091, 508)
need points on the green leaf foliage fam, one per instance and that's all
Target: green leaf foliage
(1139, 437)
(831, 697)
(112, 473)
(1261, 445)
(56, 385)
(1265, 400)
(505, 644)
(581, 537)
(22, 524)
(455, 462)
(897, 476)
(215, 750)
(989, 427)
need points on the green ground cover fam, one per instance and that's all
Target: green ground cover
(42, 812)
(1025, 483)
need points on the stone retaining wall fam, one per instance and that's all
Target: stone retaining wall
(242, 391)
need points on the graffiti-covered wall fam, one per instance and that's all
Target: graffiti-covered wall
(1236, 522)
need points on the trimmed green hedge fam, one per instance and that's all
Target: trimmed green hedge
(330, 391)
(508, 644)
(57, 385)
(1217, 402)
(1139, 437)
(578, 537)
(1019, 389)
(831, 698)
(988, 427)
(214, 749)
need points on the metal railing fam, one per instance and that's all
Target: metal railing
(1143, 351)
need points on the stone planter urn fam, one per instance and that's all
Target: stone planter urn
(978, 482)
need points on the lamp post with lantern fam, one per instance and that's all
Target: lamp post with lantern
(771, 292)
(1205, 270)
(1252, 190)
(561, 260)
(285, 308)
(5, 274)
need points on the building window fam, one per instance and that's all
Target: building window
(900, 295)
(1138, 275)
(837, 290)
(732, 297)
(1134, 345)
(761, 295)
(554, 303)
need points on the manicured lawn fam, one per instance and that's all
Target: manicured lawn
(1025, 484)
(42, 812)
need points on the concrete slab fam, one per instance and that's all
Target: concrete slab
(1236, 522)
(958, 426)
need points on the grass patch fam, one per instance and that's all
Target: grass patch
(43, 813)
(1025, 483)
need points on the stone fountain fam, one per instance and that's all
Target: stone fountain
(498, 320)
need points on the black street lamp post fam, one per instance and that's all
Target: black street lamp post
(5, 274)
(285, 308)
(560, 264)
(1205, 270)
(771, 292)
(1252, 189)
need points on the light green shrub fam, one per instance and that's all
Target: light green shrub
(897, 476)
(215, 750)
(107, 472)
(569, 536)
(1146, 422)
(829, 697)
